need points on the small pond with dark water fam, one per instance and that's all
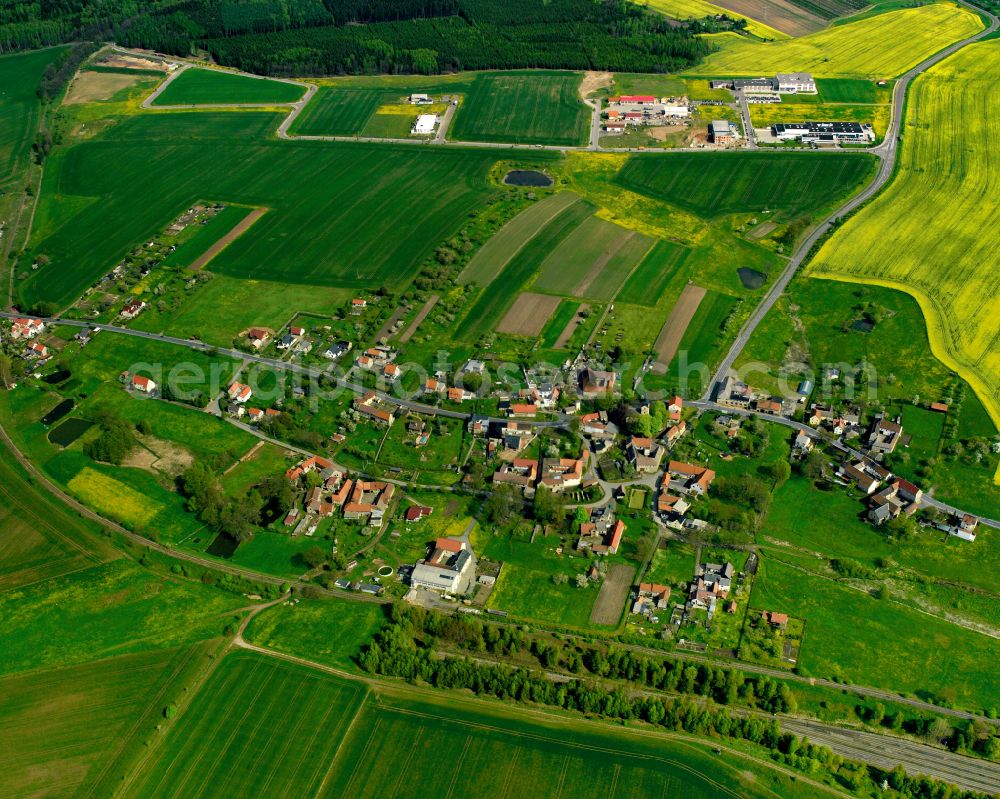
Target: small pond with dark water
(751, 278)
(57, 377)
(58, 412)
(69, 431)
(527, 177)
(223, 546)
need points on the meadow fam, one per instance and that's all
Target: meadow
(69, 731)
(919, 654)
(704, 338)
(647, 283)
(523, 107)
(111, 609)
(790, 184)
(327, 223)
(258, 724)
(330, 630)
(698, 9)
(882, 46)
(945, 259)
(878, 116)
(215, 87)
(19, 105)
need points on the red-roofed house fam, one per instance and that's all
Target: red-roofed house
(523, 409)
(779, 620)
(26, 328)
(417, 512)
(37, 350)
(676, 432)
(255, 414)
(459, 394)
(132, 309)
(143, 384)
(675, 407)
(687, 477)
(239, 393)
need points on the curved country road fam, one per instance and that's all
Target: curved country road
(887, 153)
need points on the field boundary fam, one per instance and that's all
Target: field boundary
(571, 326)
(419, 318)
(676, 325)
(612, 596)
(241, 227)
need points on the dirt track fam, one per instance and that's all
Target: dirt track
(677, 323)
(571, 327)
(428, 306)
(229, 238)
(528, 315)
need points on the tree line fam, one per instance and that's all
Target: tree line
(405, 648)
(310, 37)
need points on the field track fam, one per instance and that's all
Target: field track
(242, 227)
(419, 318)
(677, 323)
(571, 327)
(528, 315)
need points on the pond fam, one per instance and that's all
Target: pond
(527, 177)
(69, 431)
(751, 278)
(57, 377)
(223, 546)
(863, 325)
(58, 412)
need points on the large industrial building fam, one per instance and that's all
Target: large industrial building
(824, 132)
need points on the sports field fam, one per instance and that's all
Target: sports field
(66, 731)
(19, 104)
(329, 221)
(523, 107)
(698, 9)
(258, 727)
(792, 184)
(215, 87)
(882, 46)
(593, 261)
(946, 259)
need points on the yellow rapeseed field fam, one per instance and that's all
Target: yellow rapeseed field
(935, 231)
(113, 498)
(686, 9)
(882, 46)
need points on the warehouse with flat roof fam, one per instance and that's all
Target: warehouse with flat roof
(824, 132)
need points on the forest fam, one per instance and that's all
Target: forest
(329, 37)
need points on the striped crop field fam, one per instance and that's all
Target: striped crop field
(340, 214)
(70, 731)
(258, 727)
(933, 231)
(698, 9)
(19, 78)
(337, 112)
(215, 87)
(593, 261)
(882, 46)
(505, 244)
(647, 283)
(725, 183)
(523, 107)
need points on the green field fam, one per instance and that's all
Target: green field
(19, 104)
(648, 282)
(489, 309)
(593, 261)
(206, 235)
(554, 327)
(791, 184)
(112, 609)
(257, 726)
(330, 630)
(524, 108)
(919, 654)
(337, 112)
(327, 223)
(883, 46)
(497, 252)
(704, 338)
(70, 731)
(215, 87)
(944, 261)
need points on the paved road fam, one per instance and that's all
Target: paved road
(887, 152)
(273, 363)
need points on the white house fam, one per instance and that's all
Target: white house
(425, 124)
(450, 567)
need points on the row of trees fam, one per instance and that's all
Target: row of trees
(402, 649)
